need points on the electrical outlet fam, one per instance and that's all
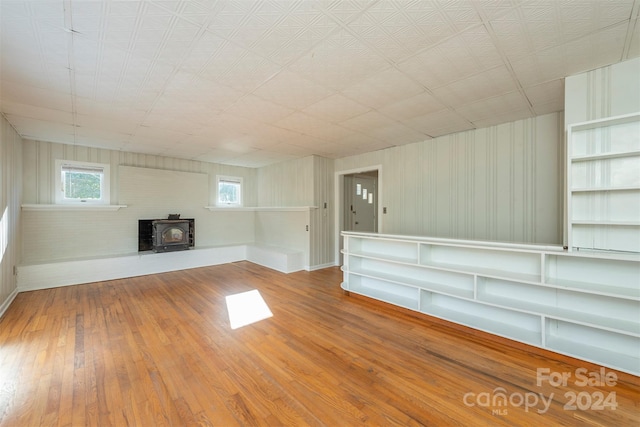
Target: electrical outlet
(307, 228)
(384, 210)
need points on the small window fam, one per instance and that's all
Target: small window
(82, 182)
(229, 191)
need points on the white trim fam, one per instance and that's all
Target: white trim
(339, 196)
(234, 179)
(80, 271)
(105, 184)
(321, 266)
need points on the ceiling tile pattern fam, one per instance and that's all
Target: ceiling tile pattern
(254, 82)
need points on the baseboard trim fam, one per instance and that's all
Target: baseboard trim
(320, 266)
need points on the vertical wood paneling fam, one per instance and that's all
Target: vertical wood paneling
(10, 201)
(303, 182)
(322, 221)
(39, 158)
(498, 183)
(118, 234)
(287, 183)
(604, 92)
(480, 206)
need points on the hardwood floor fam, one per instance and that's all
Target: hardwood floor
(159, 350)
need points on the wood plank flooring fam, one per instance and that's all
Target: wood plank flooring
(159, 351)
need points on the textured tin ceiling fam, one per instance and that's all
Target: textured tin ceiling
(257, 82)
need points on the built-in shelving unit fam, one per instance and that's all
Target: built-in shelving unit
(582, 304)
(604, 184)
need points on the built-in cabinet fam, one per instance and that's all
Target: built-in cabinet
(585, 305)
(604, 184)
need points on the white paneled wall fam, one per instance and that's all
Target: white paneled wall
(10, 201)
(501, 183)
(604, 92)
(287, 184)
(322, 219)
(284, 229)
(303, 182)
(57, 235)
(39, 160)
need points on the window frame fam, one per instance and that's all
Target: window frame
(231, 179)
(105, 180)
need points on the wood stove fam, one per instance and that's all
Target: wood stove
(165, 235)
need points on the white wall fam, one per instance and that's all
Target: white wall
(605, 92)
(304, 182)
(61, 235)
(501, 183)
(39, 161)
(287, 184)
(10, 201)
(322, 219)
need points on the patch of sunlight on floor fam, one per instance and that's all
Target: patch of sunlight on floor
(246, 308)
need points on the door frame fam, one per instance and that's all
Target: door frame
(339, 204)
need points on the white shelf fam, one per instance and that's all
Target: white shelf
(603, 189)
(603, 201)
(72, 207)
(520, 327)
(536, 295)
(609, 223)
(378, 256)
(602, 347)
(596, 289)
(422, 282)
(510, 264)
(560, 313)
(605, 156)
(400, 295)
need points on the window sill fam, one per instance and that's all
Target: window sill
(72, 207)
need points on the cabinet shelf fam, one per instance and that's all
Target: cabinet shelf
(400, 295)
(594, 288)
(604, 274)
(606, 156)
(422, 283)
(488, 272)
(603, 189)
(400, 251)
(602, 347)
(609, 223)
(584, 304)
(603, 201)
(377, 256)
(498, 321)
(559, 313)
(509, 264)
